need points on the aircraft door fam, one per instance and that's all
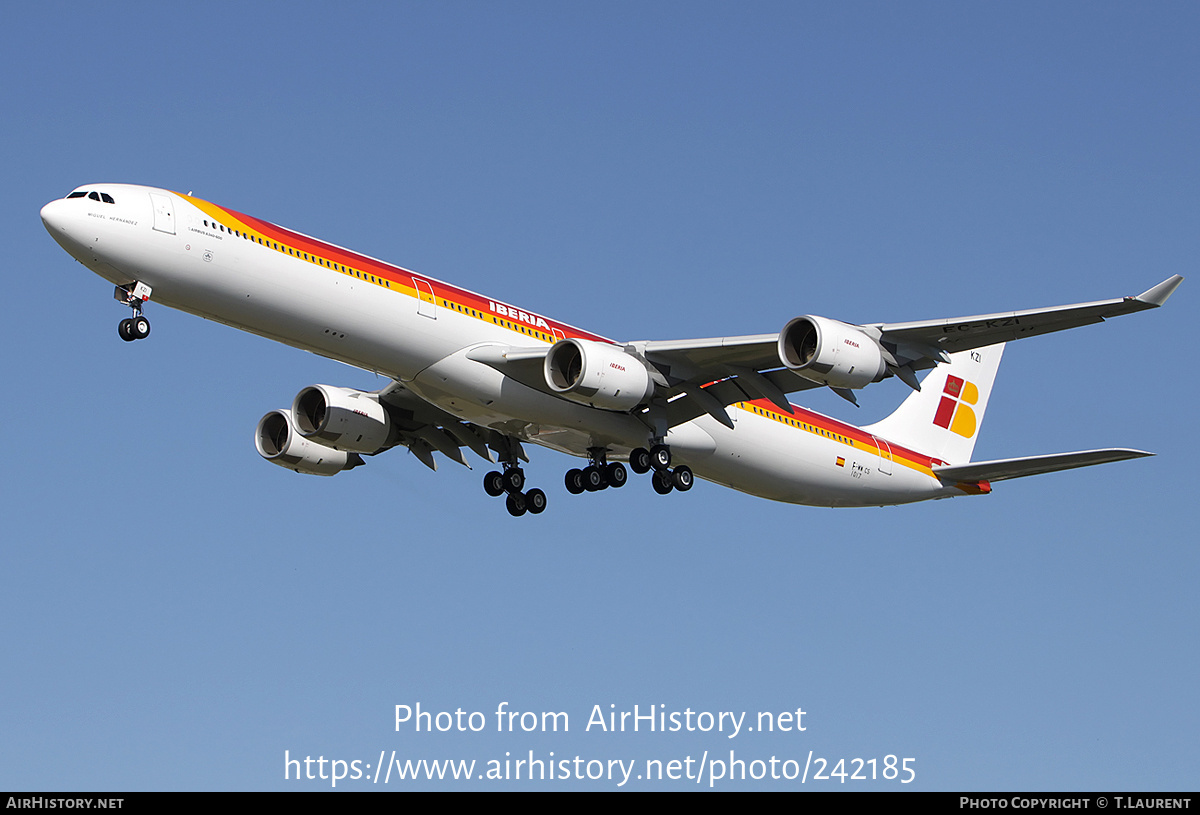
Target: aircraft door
(164, 213)
(885, 456)
(426, 302)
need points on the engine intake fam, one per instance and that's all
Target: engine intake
(831, 352)
(279, 443)
(597, 374)
(342, 418)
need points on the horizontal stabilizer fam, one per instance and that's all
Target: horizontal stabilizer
(1032, 465)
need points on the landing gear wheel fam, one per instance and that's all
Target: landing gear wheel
(514, 480)
(660, 457)
(574, 481)
(616, 474)
(123, 330)
(683, 478)
(639, 460)
(139, 327)
(662, 481)
(516, 504)
(535, 502)
(493, 484)
(593, 479)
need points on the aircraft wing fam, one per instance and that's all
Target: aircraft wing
(907, 347)
(965, 333)
(926, 339)
(706, 375)
(1007, 468)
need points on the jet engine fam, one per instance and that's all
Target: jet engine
(597, 374)
(831, 352)
(342, 418)
(279, 443)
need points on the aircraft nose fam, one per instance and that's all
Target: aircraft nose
(61, 220)
(53, 216)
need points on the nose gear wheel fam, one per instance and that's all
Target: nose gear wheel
(133, 295)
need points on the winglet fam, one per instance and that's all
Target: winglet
(1159, 294)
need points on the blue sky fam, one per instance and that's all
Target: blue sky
(175, 613)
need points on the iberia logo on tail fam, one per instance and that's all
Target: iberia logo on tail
(954, 412)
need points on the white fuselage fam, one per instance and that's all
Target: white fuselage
(258, 277)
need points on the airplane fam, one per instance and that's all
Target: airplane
(469, 371)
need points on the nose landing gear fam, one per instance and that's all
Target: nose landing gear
(133, 295)
(134, 328)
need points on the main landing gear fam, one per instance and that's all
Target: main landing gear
(658, 459)
(133, 295)
(599, 474)
(511, 482)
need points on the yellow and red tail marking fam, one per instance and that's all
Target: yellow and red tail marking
(954, 412)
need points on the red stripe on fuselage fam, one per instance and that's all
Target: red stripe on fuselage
(399, 275)
(850, 431)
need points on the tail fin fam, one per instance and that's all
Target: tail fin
(942, 419)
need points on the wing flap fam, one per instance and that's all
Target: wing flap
(690, 405)
(426, 429)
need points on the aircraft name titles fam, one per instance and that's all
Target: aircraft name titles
(517, 314)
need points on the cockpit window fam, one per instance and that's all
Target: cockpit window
(93, 195)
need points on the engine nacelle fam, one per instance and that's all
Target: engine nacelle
(597, 374)
(279, 443)
(831, 352)
(342, 418)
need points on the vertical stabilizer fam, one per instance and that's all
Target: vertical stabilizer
(942, 420)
